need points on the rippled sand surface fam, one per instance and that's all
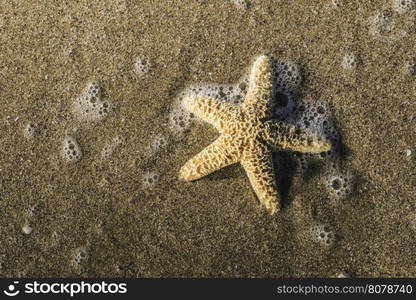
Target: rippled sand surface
(92, 139)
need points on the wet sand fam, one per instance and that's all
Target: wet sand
(101, 216)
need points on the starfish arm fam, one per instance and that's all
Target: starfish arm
(281, 135)
(211, 110)
(214, 157)
(259, 92)
(260, 171)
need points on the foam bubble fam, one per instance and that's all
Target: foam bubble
(27, 229)
(408, 153)
(141, 66)
(323, 234)
(382, 22)
(71, 151)
(30, 211)
(68, 51)
(232, 93)
(241, 4)
(313, 116)
(340, 185)
(150, 179)
(33, 211)
(409, 68)
(78, 257)
(337, 3)
(343, 275)
(30, 131)
(286, 75)
(350, 62)
(402, 6)
(157, 143)
(382, 26)
(109, 147)
(89, 106)
(179, 118)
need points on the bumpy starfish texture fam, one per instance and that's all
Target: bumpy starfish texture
(248, 135)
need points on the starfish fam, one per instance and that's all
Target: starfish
(248, 135)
